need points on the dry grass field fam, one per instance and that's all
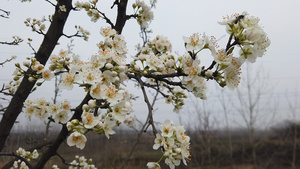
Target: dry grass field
(209, 151)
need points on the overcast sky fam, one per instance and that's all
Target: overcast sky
(175, 19)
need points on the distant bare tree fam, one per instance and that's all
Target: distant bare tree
(253, 109)
(293, 107)
(202, 124)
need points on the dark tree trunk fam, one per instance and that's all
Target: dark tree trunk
(14, 108)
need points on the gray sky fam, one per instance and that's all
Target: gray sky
(174, 19)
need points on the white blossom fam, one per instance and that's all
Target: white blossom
(77, 139)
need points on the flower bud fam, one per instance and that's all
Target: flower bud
(31, 79)
(75, 121)
(70, 126)
(133, 6)
(17, 65)
(61, 61)
(136, 68)
(16, 78)
(178, 150)
(92, 103)
(122, 68)
(116, 79)
(132, 63)
(52, 67)
(39, 83)
(109, 66)
(67, 58)
(114, 73)
(170, 63)
(26, 63)
(85, 107)
(208, 73)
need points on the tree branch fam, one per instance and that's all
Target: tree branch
(16, 41)
(149, 105)
(131, 16)
(115, 3)
(106, 18)
(18, 157)
(38, 147)
(145, 125)
(50, 2)
(52, 149)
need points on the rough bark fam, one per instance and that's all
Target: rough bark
(50, 40)
(122, 17)
(52, 150)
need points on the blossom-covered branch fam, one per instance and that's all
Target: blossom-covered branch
(107, 104)
(17, 40)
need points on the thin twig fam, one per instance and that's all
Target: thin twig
(6, 13)
(145, 125)
(105, 18)
(162, 77)
(18, 157)
(15, 42)
(50, 2)
(131, 16)
(74, 35)
(115, 3)
(34, 51)
(62, 159)
(150, 108)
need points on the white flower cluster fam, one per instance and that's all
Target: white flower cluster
(79, 163)
(27, 155)
(90, 8)
(82, 162)
(196, 42)
(59, 62)
(244, 32)
(12, 86)
(104, 72)
(37, 71)
(174, 143)
(36, 24)
(99, 122)
(176, 97)
(194, 82)
(82, 32)
(250, 34)
(102, 76)
(156, 57)
(145, 15)
(42, 109)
